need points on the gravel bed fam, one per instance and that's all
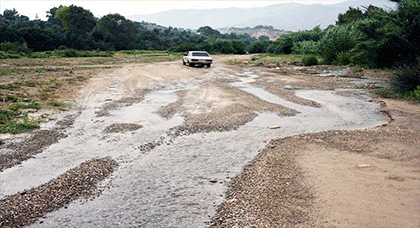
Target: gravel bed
(125, 101)
(121, 127)
(27, 207)
(21, 151)
(269, 192)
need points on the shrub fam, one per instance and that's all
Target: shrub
(406, 77)
(259, 47)
(343, 58)
(284, 44)
(184, 47)
(307, 47)
(310, 60)
(15, 48)
(337, 39)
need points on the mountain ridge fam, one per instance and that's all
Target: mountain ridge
(284, 16)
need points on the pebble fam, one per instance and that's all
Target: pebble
(363, 166)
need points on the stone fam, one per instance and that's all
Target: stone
(363, 166)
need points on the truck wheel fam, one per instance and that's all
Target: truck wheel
(208, 65)
(183, 63)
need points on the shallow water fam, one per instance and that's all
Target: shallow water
(169, 186)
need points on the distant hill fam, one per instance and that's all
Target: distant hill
(256, 31)
(287, 16)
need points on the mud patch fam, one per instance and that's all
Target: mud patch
(270, 192)
(27, 207)
(121, 127)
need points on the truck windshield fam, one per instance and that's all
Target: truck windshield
(200, 54)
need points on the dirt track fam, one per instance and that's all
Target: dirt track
(317, 151)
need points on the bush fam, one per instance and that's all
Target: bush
(337, 39)
(343, 58)
(259, 47)
(310, 60)
(307, 47)
(285, 43)
(184, 47)
(406, 77)
(14, 48)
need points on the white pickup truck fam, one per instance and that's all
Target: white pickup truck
(200, 58)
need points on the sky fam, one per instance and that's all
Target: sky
(31, 8)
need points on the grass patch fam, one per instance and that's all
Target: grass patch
(18, 106)
(270, 60)
(399, 94)
(13, 125)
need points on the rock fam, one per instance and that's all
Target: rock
(213, 180)
(274, 127)
(395, 178)
(231, 201)
(363, 166)
(30, 110)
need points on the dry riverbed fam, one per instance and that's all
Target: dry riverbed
(246, 145)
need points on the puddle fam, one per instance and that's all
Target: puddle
(177, 184)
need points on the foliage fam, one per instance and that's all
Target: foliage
(284, 44)
(306, 47)
(209, 32)
(17, 106)
(15, 48)
(185, 47)
(9, 34)
(259, 47)
(409, 19)
(406, 77)
(117, 30)
(392, 93)
(337, 39)
(263, 38)
(343, 58)
(310, 60)
(11, 125)
(71, 53)
(76, 19)
(355, 14)
(352, 14)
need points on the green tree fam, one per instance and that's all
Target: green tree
(116, 29)
(263, 38)
(209, 32)
(352, 14)
(52, 18)
(76, 19)
(259, 47)
(78, 25)
(337, 39)
(39, 39)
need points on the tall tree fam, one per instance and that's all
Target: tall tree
(76, 19)
(118, 30)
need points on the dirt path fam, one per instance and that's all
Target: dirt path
(181, 134)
